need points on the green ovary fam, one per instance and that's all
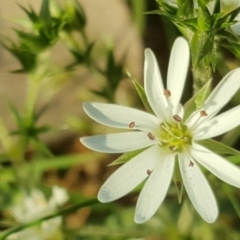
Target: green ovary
(174, 138)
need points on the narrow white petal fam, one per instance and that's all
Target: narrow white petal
(223, 92)
(217, 165)
(193, 119)
(120, 116)
(129, 175)
(198, 189)
(118, 142)
(153, 85)
(155, 189)
(218, 125)
(177, 69)
(179, 110)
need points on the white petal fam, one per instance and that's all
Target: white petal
(218, 125)
(153, 85)
(118, 142)
(120, 116)
(179, 110)
(224, 91)
(129, 175)
(193, 119)
(155, 189)
(177, 69)
(198, 189)
(217, 165)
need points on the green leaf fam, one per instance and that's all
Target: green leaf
(227, 35)
(141, 93)
(126, 157)
(62, 162)
(170, 9)
(74, 16)
(186, 9)
(27, 59)
(232, 47)
(45, 12)
(229, 16)
(197, 100)
(39, 165)
(232, 198)
(201, 46)
(217, 7)
(218, 147)
(234, 159)
(31, 14)
(204, 19)
(16, 116)
(82, 57)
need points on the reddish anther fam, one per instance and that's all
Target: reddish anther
(177, 118)
(191, 164)
(203, 113)
(167, 93)
(172, 148)
(150, 136)
(149, 172)
(132, 125)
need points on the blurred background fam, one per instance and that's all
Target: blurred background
(54, 55)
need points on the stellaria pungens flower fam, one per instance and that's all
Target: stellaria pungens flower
(34, 206)
(167, 136)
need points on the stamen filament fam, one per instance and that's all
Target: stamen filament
(171, 134)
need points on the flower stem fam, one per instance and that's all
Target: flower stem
(64, 211)
(201, 75)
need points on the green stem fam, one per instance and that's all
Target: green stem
(201, 75)
(64, 211)
(32, 93)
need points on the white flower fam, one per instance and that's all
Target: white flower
(34, 206)
(167, 137)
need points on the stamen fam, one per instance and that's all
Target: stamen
(184, 138)
(150, 136)
(191, 164)
(172, 148)
(132, 125)
(170, 133)
(203, 113)
(149, 172)
(167, 93)
(177, 118)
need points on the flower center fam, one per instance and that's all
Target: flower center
(173, 137)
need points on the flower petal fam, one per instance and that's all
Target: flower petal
(118, 142)
(129, 175)
(120, 116)
(217, 165)
(218, 125)
(198, 189)
(154, 86)
(155, 189)
(178, 69)
(223, 92)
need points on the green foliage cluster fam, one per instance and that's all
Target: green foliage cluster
(207, 30)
